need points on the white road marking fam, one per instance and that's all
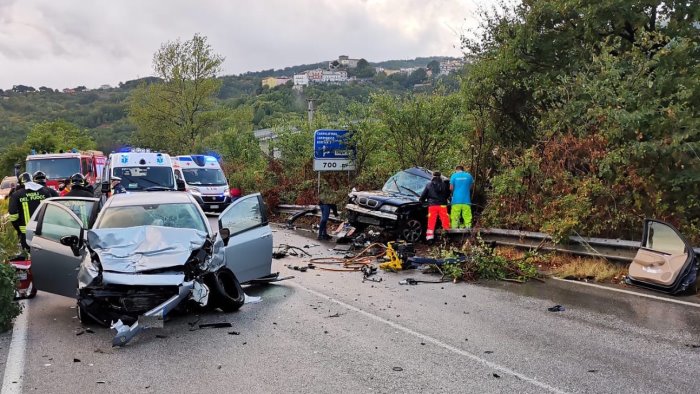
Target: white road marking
(432, 340)
(634, 293)
(14, 367)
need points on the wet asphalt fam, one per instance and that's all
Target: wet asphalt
(331, 332)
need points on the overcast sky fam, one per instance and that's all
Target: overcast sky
(66, 43)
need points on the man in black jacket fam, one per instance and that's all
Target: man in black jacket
(79, 187)
(436, 193)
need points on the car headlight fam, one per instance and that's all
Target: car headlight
(227, 193)
(388, 208)
(195, 191)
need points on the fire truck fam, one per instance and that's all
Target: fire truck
(58, 167)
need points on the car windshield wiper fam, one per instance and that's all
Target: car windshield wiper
(156, 188)
(404, 187)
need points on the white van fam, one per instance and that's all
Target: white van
(140, 170)
(205, 180)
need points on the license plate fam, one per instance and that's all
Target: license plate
(368, 220)
(22, 275)
(213, 207)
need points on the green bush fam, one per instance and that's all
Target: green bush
(9, 309)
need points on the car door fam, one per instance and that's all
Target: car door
(249, 249)
(664, 260)
(54, 266)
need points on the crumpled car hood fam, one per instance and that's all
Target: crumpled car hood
(144, 248)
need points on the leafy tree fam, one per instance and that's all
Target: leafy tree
(589, 112)
(434, 67)
(420, 128)
(363, 69)
(416, 77)
(46, 137)
(180, 111)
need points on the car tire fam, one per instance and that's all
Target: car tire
(226, 292)
(412, 230)
(84, 317)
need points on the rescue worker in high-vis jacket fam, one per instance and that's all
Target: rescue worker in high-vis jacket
(436, 193)
(461, 184)
(40, 178)
(23, 203)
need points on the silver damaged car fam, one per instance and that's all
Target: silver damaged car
(145, 254)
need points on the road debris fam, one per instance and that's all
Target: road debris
(216, 325)
(397, 369)
(495, 375)
(234, 333)
(556, 308)
(411, 281)
(284, 250)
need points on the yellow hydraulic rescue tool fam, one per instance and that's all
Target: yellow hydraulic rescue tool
(394, 262)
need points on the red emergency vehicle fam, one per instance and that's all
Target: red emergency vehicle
(58, 167)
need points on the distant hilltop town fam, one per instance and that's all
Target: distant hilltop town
(339, 71)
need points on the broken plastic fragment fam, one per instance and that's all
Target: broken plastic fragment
(252, 299)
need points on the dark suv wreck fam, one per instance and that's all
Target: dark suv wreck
(142, 257)
(395, 207)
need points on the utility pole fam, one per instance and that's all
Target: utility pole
(310, 110)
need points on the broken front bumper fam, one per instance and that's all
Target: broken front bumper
(151, 319)
(359, 214)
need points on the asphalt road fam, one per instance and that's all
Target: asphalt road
(330, 332)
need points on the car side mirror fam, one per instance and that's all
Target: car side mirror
(180, 185)
(105, 187)
(74, 242)
(225, 234)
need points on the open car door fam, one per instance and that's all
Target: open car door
(249, 249)
(665, 261)
(55, 264)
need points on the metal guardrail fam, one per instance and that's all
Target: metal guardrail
(611, 249)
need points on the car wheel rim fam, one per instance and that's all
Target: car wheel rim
(413, 231)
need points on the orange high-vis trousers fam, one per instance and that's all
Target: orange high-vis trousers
(435, 211)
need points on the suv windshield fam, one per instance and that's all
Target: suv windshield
(406, 183)
(167, 215)
(55, 168)
(204, 176)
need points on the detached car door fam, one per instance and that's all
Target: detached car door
(249, 249)
(665, 261)
(54, 266)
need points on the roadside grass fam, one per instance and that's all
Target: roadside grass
(587, 269)
(570, 267)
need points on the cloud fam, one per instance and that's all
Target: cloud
(72, 42)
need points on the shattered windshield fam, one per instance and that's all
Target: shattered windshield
(406, 183)
(167, 215)
(204, 176)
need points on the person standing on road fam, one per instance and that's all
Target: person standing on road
(40, 178)
(78, 187)
(325, 204)
(436, 193)
(461, 184)
(23, 202)
(117, 187)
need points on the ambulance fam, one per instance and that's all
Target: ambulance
(140, 170)
(205, 180)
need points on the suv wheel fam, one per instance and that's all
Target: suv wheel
(412, 230)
